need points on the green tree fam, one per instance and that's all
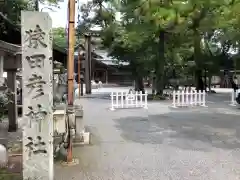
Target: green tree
(34, 5)
(123, 46)
(11, 9)
(11, 13)
(158, 35)
(59, 37)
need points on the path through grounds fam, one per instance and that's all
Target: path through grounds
(160, 143)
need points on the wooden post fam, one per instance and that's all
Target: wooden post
(1, 65)
(70, 68)
(79, 73)
(87, 64)
(71, 42)
(2, 79)
(37, 95)
(12, 106)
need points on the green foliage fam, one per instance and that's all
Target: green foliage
(4, 175)
(5, 99)
(203, 31)
(59, 37)
(12, 9)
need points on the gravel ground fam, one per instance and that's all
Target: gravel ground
(160, 143)
(12, 141)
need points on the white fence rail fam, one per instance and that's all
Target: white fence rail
(128, 100)
(189, 98)
(234, 95)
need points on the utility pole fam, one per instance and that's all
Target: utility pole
(70, 69)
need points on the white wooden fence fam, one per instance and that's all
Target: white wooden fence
(128, 100)
(234, 95)
(189, 98)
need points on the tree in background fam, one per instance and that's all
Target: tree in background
(59, 37)
(162, 36)
(11, 9)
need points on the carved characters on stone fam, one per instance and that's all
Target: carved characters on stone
(51, 35)
(36, 37)
(37, 95)
(37, 115)
(36, 60)
(36, 82)
(36, 146)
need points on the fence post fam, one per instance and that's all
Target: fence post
(233, 103)
(204, 99)
(112, 102)
(122, 101)
(132, 98)
(126, 99)
(141, 100)
(199, 97)
(178, 98)
(191, 97)
(174, 99)
(183, 99)
(187, 99)
(136, 99)
(117, 99)
(145, 102)
(195, 98)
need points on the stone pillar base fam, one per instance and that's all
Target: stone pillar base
(3, 156)
(83, 139)
(12, 127)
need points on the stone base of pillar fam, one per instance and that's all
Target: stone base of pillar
(3, 156)
(12, 127)
(81, 137)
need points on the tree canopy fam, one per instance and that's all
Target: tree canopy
(159, 38)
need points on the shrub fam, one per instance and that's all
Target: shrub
(5, 99)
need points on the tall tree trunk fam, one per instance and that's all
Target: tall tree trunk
(209, 82)
(160, 62)
(205, 79)
(137, 77)
(197, 59)
(36, 4)
(139, 83)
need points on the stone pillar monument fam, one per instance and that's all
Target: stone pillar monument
(37, 95)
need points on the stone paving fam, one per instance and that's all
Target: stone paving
(160, 143)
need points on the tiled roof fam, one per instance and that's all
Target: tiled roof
(108, 60)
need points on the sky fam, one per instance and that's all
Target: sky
(59, 16)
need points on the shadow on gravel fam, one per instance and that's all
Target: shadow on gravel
(195, 131)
